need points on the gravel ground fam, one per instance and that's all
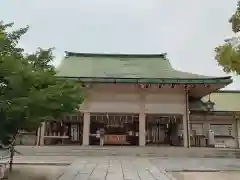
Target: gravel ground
(206, 175)
(29, 172)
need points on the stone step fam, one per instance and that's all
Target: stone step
(128, 151)
(97, 153)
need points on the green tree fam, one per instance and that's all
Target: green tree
(228, 54)
(30, 91)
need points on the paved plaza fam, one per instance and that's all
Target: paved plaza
(197, 164)
(135, 168)
(168, 164)
(114, 168)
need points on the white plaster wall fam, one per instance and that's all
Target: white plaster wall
(130, 100)
(110, 101)
(169, 103)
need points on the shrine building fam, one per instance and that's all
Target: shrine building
(141, 100)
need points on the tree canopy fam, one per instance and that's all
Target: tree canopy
(30, 91)
(228, 54)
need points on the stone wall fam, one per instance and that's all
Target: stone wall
(26, 139)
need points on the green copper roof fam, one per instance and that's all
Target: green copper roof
(149, 68)
(225, 100)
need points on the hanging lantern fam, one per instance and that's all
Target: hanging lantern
(235, 116)
(209, 104)
(147, 85)
(172, 85)
(141, 86)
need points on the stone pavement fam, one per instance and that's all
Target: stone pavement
(206, 175)
(168, 164)
(127, 168)
(44, 160)
(114, 168)
(196, 164)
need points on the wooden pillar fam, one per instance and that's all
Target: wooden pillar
(86, 128)
(142, 119)
(142, 129)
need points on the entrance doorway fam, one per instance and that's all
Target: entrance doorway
(119, 129)
(163, 129)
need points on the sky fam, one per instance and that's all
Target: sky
(187, 30)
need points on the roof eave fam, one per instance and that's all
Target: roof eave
(196, 112)
(224, 80)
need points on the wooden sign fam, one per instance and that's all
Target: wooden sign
(115, 139)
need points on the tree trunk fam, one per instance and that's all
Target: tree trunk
(11, 157)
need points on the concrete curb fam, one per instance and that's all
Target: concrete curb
(42, 164)
(206, 170)
(167, 174)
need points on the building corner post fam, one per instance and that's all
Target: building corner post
(237, 132)
(186, 123)
(142, 119)
(42, 133)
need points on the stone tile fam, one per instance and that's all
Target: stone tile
(197, 164)
(113, 169)
(100, 171)
(129, 170)
(77, 169)
(82, 177)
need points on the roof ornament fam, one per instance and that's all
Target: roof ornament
(66, 54)
(235, 116)
(147, 86)
(172, 85)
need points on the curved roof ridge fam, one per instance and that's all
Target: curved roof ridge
(122, 55)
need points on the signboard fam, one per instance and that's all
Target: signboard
(115, 139)
(222, 129)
